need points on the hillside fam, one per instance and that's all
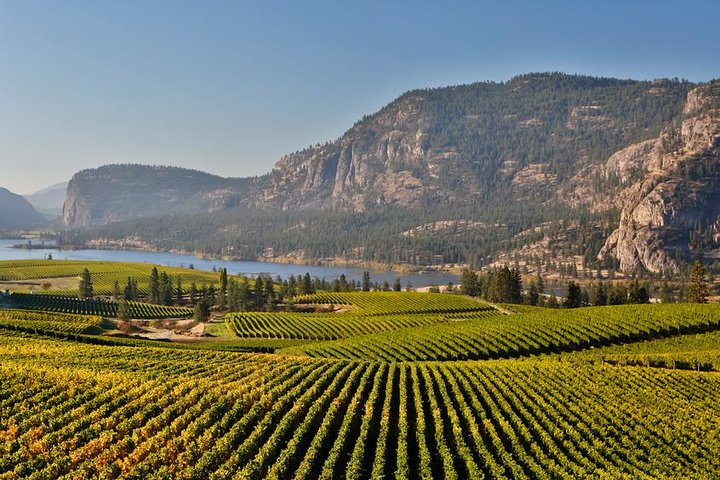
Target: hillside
(619, 172)
(49, 201)
(90, 406)
(17, 212)
(118, 192)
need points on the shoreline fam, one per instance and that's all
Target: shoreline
(377, 267)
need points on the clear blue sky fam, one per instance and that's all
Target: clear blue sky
(229, 87)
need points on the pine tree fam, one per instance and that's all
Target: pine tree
(131, 289)
(469, 283)
(85, 287)
(697, 289)
(574, 295)
(223, 286)
(600, 294)
(154, 288)
(366, 281)
(193, 293)
(202, 311)
(533, 296)
(397, 286)
(123, 310)
(179, 291)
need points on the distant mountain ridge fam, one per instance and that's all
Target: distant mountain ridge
(540, 142)
(49, 201)
(16, 212)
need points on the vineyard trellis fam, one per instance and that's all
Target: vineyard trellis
(190, 414)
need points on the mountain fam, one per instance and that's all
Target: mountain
(17, 212)
(620, 172)
(119, 192)
(49, 201)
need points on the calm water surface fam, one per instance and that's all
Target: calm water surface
(233, 267)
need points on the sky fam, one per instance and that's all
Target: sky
(229, 87)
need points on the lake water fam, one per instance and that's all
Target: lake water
(233, 267)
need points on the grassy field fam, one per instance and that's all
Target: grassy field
(63, 275)
(414, 386)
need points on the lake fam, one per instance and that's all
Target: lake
(7, 252)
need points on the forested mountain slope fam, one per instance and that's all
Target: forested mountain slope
(623, 171)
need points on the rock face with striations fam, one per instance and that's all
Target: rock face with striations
(648, 150)
(672, 185)
(120, 192)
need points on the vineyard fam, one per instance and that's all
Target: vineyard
(23, 320)
(370, 385)
(700, 351)
(104, 274)
(371, 313)
(523, 334)
(103, 308)
(382, 303)
(84, 411)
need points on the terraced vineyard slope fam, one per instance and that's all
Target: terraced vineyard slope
(369, 312)
(522, 334)
(105, 308)
(63, 275)
(86, 411)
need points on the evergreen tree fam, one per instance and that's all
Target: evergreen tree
(260, 299)
(166, 290)
(131, 289)
(179, 290)
(193, 293)
(123, 310)
(599, 294)
(667, 294)
(574, 295)
(269, 294)
(307, 284)
(469, 283)
(533, 296)
(154, 288)
(539, 283)
(618, 295)
(397, 286)
(244, 296)
(366, 281)
(202, 311)
(116, 290)
(223, 286)
(697, 289)
(85, 287)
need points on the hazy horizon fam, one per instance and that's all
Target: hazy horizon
(230, 88)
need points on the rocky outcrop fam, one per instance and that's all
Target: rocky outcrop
(672, 185)
(115, 193)
(646, 150)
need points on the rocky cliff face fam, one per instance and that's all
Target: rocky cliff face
(670, 187)
(648, 150)
(120, 192)
(382, 161)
